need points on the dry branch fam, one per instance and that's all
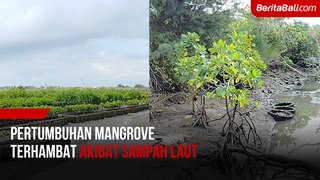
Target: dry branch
(279, 161)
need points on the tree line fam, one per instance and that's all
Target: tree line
(280, 42)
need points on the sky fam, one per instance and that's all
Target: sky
(83, 43)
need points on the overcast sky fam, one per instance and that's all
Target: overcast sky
(74, 42)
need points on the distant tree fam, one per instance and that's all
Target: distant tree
(139, 86)
(121, 86)
(299, 43)
(21, 87)
(277, 39)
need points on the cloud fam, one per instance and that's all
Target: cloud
(58, 42)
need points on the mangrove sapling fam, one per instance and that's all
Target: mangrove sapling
(242, 68)
(202, 118)
(192, 69)
(221, 71)
(226, 71)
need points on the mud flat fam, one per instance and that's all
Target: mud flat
(174, 125)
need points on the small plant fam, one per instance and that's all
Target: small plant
(191, 69)
(287, 62)
(226, 70)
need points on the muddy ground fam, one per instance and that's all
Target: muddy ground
(173, 121)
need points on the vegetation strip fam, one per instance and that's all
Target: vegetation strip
(79, 118)
(72, 100)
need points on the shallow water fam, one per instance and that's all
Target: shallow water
(298, 137)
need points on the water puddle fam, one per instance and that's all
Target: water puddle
(300, 136)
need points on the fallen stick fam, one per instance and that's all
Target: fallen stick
(292, 68)
(280, 161)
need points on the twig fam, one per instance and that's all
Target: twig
(308, 144)
(281, 161)
(218, 118)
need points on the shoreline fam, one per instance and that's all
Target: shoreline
(174, 123)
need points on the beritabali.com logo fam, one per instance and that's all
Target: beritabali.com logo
(285, 8)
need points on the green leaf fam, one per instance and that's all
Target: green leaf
(260, 83)
(236, 55)
(238, 79)
(220, 43)
(220, 91)
(257, 104)
(199, 84)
